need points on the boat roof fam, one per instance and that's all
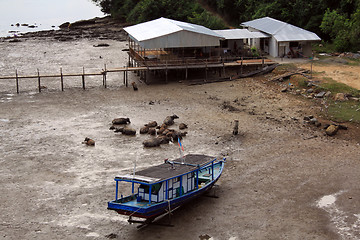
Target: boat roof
(167, 170)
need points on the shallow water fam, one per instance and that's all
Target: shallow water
(43, 14)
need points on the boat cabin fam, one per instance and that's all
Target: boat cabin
(171, 179)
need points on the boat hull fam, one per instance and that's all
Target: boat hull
(160, 208)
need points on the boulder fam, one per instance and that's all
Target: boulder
(182, 126)
(332, 130)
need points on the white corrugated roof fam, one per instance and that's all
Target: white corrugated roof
(239, 34)
(281, 31)
(143, 33)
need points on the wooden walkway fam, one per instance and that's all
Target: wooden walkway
(163, 65)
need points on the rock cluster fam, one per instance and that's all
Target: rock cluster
(330, 129)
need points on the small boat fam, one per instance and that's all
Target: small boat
(160, 189)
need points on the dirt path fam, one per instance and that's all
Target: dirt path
(283, 179)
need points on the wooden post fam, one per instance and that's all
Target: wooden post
(17, 82)
(166, 73)
(83, 78)
(124, 74)
(61, 80)
(206, 76)
(241, 69)
(39, 84)
(223, 67)
(262, 62)
(104, 76)
(126, 82)
(186, 70)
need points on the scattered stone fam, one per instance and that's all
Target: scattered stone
(310, 90)
(320, 94)
(313, 121)
(332, 130)
(328, 94)
(308, 118)
(343, 127)
(340, 97)
(284, 89)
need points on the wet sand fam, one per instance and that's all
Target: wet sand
(273, 185)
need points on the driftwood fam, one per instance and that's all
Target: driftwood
(289, 74)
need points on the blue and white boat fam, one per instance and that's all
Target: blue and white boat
(160, 189)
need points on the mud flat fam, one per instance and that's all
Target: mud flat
(276, 176)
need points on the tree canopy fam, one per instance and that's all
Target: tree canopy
(333, 20)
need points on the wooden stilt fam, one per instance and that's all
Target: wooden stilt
(39, 83)
(206, 73)
(126, 81)
(104, 77)
(17, 82)
(61, 80)
(186, 70)
(83, 78)
(166, 73)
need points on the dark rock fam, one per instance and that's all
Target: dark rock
(310, 90)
